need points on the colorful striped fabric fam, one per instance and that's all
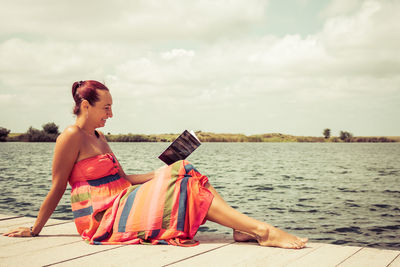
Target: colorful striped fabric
(109, 210)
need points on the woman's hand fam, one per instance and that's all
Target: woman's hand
(142, 178)
(19, 232)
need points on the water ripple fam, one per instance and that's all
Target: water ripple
(341, 193)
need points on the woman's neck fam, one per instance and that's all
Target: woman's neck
(84, 126)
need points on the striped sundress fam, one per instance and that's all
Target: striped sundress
(109, 210)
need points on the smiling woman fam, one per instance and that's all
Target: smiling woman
(110, 207)
(94, 96)
(86, 90)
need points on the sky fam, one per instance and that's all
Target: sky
(232, 66)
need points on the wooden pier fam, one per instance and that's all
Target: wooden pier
(60, 245)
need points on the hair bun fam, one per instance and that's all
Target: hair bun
(87, 92)
(75, 87)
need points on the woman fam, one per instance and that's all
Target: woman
(164, 206)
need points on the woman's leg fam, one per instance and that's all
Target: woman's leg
(266, 235)
(237, 235)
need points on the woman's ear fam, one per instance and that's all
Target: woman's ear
(84, 104)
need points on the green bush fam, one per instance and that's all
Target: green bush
(327, 133)
(3, 134)
(345, 136)
(50, 128)
(48, 134)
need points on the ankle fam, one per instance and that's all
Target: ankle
(262, 231)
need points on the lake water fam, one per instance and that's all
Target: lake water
(339, 193)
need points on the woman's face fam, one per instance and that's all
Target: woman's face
(101, 110)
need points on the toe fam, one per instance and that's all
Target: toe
(300, 243)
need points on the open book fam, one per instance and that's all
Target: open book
(180, 148)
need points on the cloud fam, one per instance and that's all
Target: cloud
(340, 7)
(136, 21)
(6, 98)
(165, 60)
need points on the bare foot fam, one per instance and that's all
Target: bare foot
(273, 237)
(240, 236)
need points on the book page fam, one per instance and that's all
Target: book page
(180, 148)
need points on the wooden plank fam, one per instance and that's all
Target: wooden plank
(50, 237)
(327, 255)
(55, 243)
(33, 245)
(47, 255)
(371, 257)
(7, 217)
(139, 255)
(7, 225)
(16, 222)
(246, 254)
(148, 255)
(59, 244)
(49, 231)
(230, 255)
(282, 257)
(66, 228)
(395, 262)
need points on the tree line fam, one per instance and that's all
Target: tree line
(345, 136)
(50, 132)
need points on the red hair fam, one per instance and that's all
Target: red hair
(86, 90)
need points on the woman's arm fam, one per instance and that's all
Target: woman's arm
(136, 178)
(140, 178)
(65, 154)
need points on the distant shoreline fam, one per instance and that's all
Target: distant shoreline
(232, 138)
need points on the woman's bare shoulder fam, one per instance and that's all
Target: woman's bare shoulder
(71, 133)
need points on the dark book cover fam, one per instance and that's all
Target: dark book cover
(180, 148)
